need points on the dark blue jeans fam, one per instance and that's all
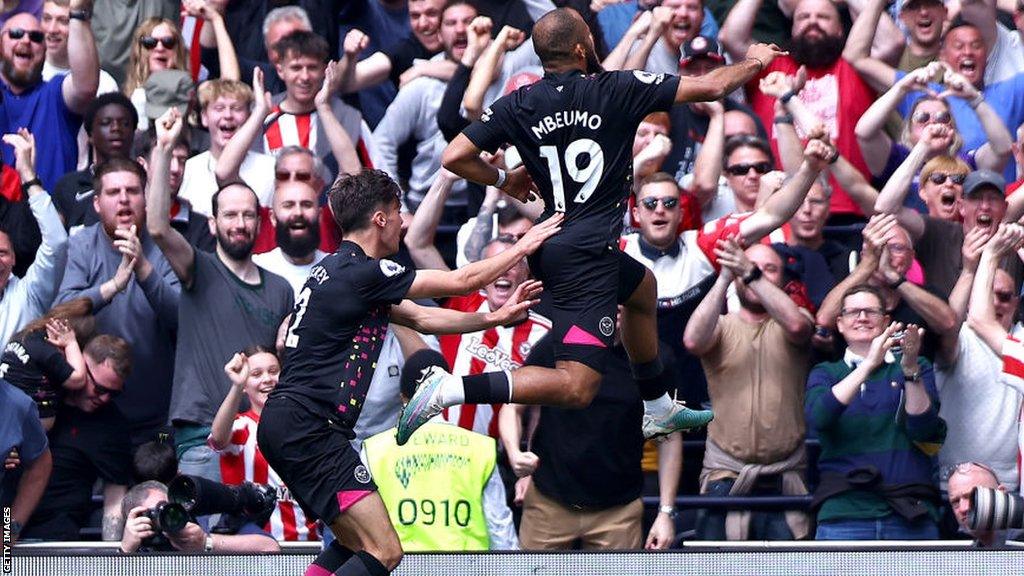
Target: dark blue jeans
(892, 527)
(767, 525)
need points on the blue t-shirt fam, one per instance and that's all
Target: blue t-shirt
(1004, 97)
(19, 428)
(42, 110)
(615, 20)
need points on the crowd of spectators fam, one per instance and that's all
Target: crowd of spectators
(849, 311)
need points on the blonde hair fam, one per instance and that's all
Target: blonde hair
(945, 164)
(954, 145)
(211, 90)
(138, 63)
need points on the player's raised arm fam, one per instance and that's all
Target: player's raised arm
(462, 157)
(472, 277)
(718, 83)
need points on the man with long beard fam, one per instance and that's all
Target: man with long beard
(817, 44)
(227, 301)
(50, 110)
(296, 219)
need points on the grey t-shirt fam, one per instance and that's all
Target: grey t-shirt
(217, 317)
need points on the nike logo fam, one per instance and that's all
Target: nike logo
(79, 196)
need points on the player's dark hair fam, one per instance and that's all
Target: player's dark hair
(115, 98)
(355, 197)
(556, 35)
(117, 165)
(302, 43)
(155, 461)
(737, 141)
(215, 199)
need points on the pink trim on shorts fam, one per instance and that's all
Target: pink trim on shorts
(315, 570)
(348, 498)
(577, 335)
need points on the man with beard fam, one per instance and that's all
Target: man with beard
(227, 301)
(296, 220)
(110, 122)
(834, 90)
(412, 116)
(50, 110)
(134, 293)
(756, 363)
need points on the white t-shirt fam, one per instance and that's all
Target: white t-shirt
(295, 274)
(199, 183)
(980, 412)
(1005, 57)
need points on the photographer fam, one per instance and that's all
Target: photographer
(963, 479)
(139, 532)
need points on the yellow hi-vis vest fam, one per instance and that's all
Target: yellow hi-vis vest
(433, 486)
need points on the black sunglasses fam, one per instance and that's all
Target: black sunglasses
(940, 178)
(36, 36)
(150, 42)
(284, 176)
(101, 390)
(938, 117)
(742, 169)
(651, 202)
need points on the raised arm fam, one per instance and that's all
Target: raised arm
(488, 65)
(702, 329)
(369, 71)
(879, 74)
(79, 87)
(176, 249)
(342, 148)
(998, 147)
(707, 167)
(637, 56)
(473, 277)
(233, 154)
(736, 32)
(876, 234)
(937, 314)
(783, 204)
(353, 44)
(873, 28)
(215, 35)
(718, 83)
(419, 238)
(891, 197)
(237, 371)
(616, 59)
(875, 144)
(981, 315)
(982, 15)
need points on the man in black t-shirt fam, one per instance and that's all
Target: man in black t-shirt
(332, 344)
(569, 130)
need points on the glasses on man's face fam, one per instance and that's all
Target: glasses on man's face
(651, 202)
(743, 169)
(36, 36)
(939, 178)
(870, 313)
(284, 176)
(101, 390)
(150, 42)
(940, 117)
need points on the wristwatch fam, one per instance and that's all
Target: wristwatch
(82, 15)
(753, 276)
(209, 543)
(29, 184)
(670, 511)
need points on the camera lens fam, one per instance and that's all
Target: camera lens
(173, 517)
(995, 510)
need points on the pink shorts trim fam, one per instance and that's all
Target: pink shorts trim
(577, 335)
(348, 498)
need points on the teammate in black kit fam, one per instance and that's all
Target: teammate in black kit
(331, 348)
(574, 130)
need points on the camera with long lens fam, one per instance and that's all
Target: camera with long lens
(202, 497)
(995, 510)
(167, 518)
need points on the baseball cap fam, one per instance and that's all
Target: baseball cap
(913, 3)
(701, 46)
(167, 88)
(979, 180)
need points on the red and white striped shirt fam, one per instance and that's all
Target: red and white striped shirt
(1013, 376)
(242, 461)
(286, 129)
(191, 28)
(499, 348)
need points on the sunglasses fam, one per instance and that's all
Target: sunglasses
(150, 42)
(284, 176)
(940, 178)
(743, 169)
(938, 117)
(36, 36)
(651, 202)
(101, 390)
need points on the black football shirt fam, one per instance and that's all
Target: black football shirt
(575, 134)
(337, 330)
